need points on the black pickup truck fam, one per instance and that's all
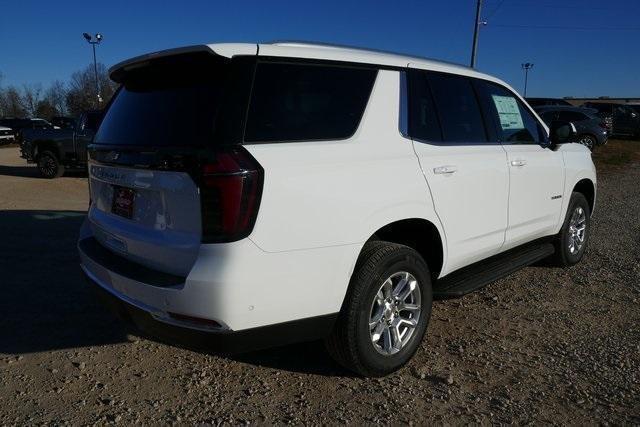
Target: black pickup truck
(57, 150)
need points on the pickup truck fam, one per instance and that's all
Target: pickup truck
(57, 150)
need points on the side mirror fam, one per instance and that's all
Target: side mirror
(561, 132)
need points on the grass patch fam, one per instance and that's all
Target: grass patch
(617, 153)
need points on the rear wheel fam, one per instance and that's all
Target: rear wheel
(49, 165)
(588, 141)
(386, 311)
(571, 242)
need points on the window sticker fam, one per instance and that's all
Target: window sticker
(510, 118)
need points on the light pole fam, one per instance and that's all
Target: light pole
(526, 67)
(93, 43)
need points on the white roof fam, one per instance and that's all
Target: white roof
(316, 51)
(355, 54)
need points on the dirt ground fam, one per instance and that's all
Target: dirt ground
(544, 345)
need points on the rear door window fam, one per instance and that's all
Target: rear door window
(423, 118)
(306, 102)
(458, 109)
(549, 116)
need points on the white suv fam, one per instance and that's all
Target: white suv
(281, 192)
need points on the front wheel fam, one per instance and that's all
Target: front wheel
(49, 165)
(571, 242)
(385, 313)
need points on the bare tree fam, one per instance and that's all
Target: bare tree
(59, 99)
(31, 97)
(56, 96)
(11, 103)
(82, 91)
(53, 102)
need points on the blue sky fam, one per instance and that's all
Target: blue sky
(593, 53)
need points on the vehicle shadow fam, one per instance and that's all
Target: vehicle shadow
(19, 171)
(46, 304)
(32, 172)
(307, 358)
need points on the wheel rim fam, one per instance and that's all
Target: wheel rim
(47, 165)
(587, 141)
(395, 313)
(577, 230)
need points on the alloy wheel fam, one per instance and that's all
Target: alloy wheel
(577, 230)
(395, 313)
(587, 141)
(47, 165)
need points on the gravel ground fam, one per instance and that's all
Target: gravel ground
(542, 346)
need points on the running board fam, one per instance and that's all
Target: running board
(483, 273)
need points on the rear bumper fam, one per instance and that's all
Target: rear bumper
(236, 285)
(225, 342)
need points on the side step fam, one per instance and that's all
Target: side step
(480, 274)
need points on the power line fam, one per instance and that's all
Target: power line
(558, 27)
(493, 12)
(536, 4)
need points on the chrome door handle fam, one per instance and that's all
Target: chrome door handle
(440, 170)
(518, 162)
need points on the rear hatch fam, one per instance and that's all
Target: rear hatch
(166, 169)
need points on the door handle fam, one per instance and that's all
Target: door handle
(442, 170)
(518, 162)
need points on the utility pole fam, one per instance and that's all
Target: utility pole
(93, 44)
(526, 67)
(476, 32)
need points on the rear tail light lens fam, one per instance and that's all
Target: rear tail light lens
(603, 125)
(230, 192)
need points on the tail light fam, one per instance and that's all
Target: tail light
(230, 191)
(603, 125)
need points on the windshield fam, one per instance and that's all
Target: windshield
(169, 101)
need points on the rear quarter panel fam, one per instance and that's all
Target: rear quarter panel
(328, 193)
(321, 202)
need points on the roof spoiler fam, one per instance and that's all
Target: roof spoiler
(227, 50)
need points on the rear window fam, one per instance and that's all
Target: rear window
(302, 102)
(168, 102)
(572, 116)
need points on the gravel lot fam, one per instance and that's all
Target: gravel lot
(542, 346)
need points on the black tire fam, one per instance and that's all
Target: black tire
(564, 256)
(350, 342)
(49, 166)
(588, 141)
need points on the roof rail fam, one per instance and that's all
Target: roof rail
(304, 43)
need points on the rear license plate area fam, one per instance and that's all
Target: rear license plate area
(123, 201)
